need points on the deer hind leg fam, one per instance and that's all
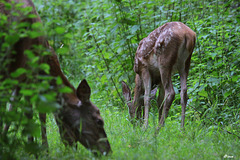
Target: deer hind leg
(183, 94)
(160, 101)
(183, 79)
(146, 77)
(168, 91)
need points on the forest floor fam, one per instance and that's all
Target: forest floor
(129, 142)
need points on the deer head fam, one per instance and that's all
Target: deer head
(127, 96)
(80, 120)
(135, 106)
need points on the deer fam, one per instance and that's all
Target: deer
(76, 107)
(164, 51)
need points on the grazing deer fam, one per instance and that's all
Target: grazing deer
(76, 108)
(165, 50)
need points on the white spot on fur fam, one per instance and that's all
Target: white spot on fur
(179, 25)
(79, 103)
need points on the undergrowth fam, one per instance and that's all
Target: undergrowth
(197, 141)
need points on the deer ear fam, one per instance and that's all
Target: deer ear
(83, 91)
(126, 91)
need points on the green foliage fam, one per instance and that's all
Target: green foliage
(101, 39)
(23, 98)
(98, 40)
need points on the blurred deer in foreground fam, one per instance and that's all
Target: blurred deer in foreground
(165, 50)
(76, 108)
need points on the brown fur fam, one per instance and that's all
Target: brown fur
(77, 109)
(166, 49)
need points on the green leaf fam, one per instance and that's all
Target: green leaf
(46, 106)
(45, 67)
(11, 39)
(27, 92)
(226, 94)
(65, 89)
(23, 25)
(51, 95)
(32, 16)
(203, 93)
(68, 35)
(37, 25)
(9, 82)
(135, 28)
(235, 78)
(60, 30)
(213, 80)
(63, 50)
(115, 28)
(18, 72)
(35, 34)
(59, 80)
(29, 54)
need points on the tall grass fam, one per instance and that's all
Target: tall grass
(132, 142)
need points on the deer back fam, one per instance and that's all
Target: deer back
(162, 47)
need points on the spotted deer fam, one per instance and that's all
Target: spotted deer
(165, 50)
(78, 118)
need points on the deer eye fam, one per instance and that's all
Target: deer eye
(100, 122)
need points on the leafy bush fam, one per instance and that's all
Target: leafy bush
(25, 91)
(101, 40)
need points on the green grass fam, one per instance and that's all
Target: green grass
(128, 142)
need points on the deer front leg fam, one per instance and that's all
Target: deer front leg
(146, 77)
